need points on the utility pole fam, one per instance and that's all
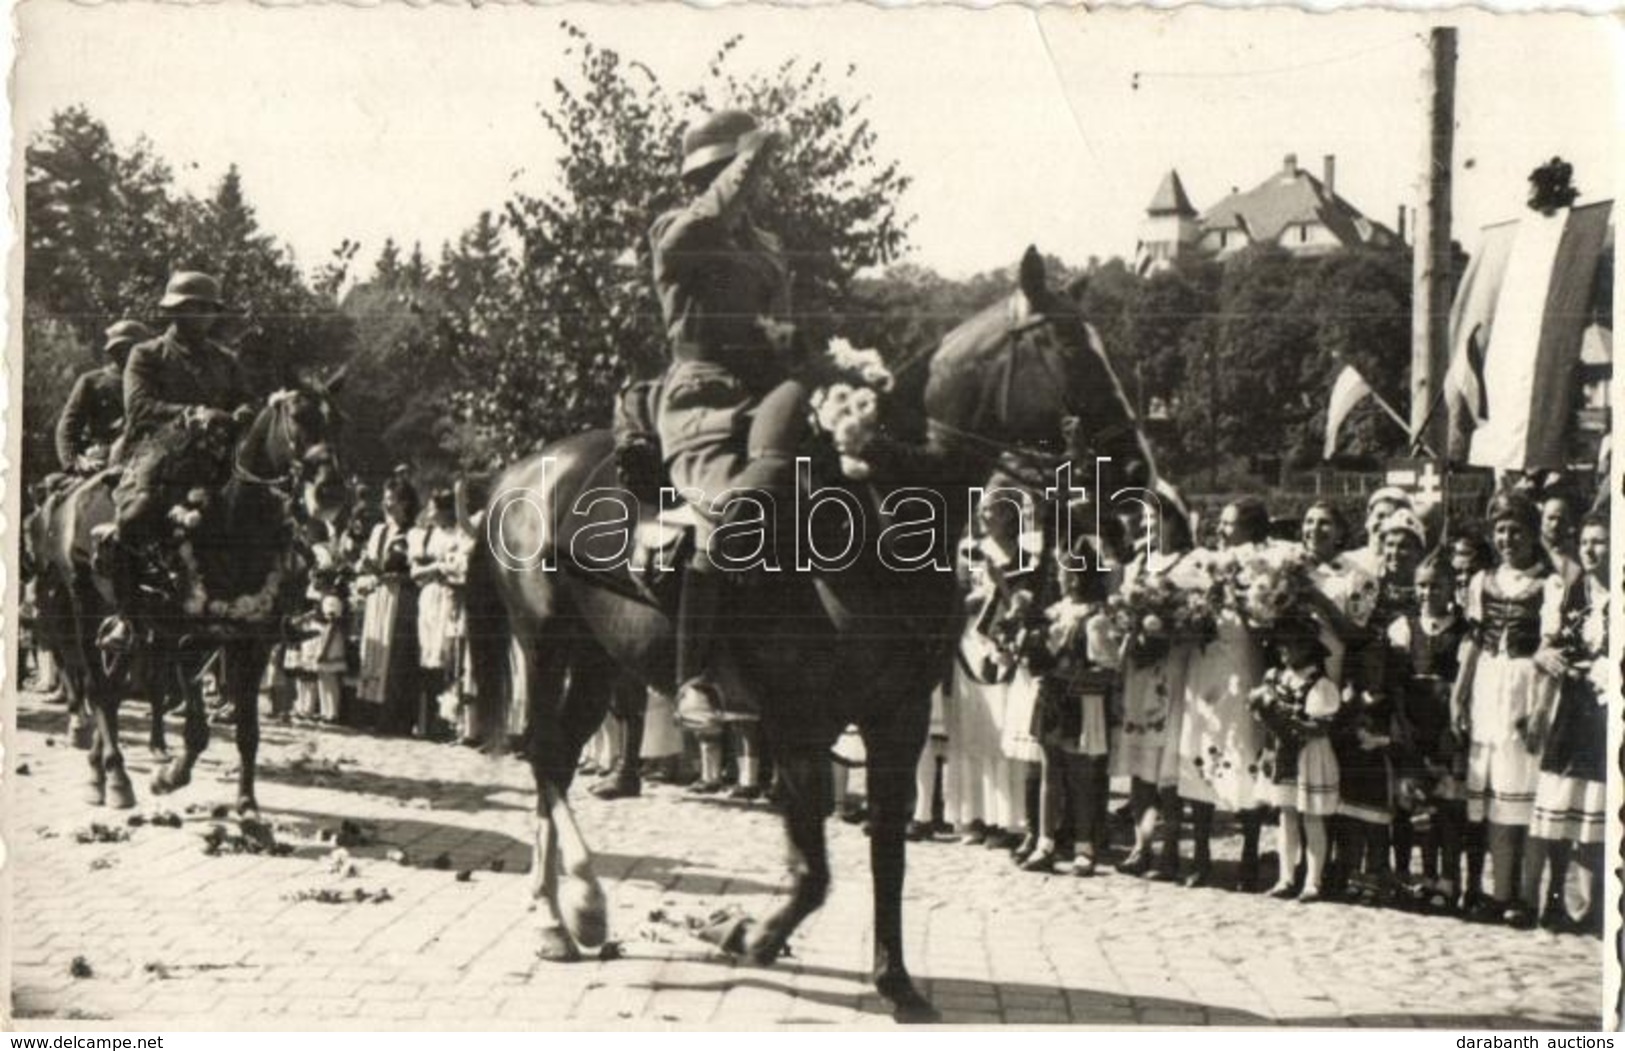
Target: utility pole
(1431, 277)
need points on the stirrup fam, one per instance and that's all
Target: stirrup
(699, 707)
(117, 634)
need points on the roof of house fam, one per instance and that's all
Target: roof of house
(1170, 198)
(1289, 199)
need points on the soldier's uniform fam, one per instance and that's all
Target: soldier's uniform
(180, 392)
(730, 415)
(94, 415)
(718, 277)
(164, 380)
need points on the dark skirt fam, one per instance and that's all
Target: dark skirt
(1578, 743)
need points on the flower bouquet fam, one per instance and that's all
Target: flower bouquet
(1152, 612)
(1268, 584)
(848, 407)
(1279, 706)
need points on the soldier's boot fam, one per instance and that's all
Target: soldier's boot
(700, 703)
(117, 634)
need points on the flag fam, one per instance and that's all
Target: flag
(1472, 318)
(1349, 390)
(1521, 321)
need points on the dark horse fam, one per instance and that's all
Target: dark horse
(244, 573)
(863, 646)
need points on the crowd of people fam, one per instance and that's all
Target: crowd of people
(1418, 711)
(1423, 718)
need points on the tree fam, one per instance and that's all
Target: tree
(580, 315)
(105, 227)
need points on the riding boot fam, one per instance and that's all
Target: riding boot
(118, 633)
(699, 699)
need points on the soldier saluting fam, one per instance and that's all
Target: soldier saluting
(94, 415)
(177, 387)
(732, 411)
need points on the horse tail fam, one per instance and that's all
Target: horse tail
(490, 635)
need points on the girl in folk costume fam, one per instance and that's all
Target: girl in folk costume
(1342, 601)
(1297, 702)
(1571, 794)
(1220, 739)
(436, 552)
(1404, 543)
(1075, 660)
(1499, 693)
(318, 663)
(1153, 696)
(1422, 658)
(1365, 736)
(389, 633)
(984, 788)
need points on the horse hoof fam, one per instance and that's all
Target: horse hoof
(120, 794)
(585, 911)
(81, 734)
(729, 932)
(96, 794)
(556, 946)
(907, 1005)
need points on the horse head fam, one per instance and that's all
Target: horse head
(1028, 377)
(292, 445)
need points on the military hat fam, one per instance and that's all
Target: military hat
(716, 138)
(190, 286)
(125, 332)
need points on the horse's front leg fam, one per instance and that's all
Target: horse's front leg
(806, 781)
(243, 666)
(892, 758)
(110, 784)
(177, 772)
(556, 945)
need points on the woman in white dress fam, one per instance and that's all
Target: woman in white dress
(389, 635)
(1147, 747)
(1342, 603)
(435, 551)
(984, 788)
(1220, 740)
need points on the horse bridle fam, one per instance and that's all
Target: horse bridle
(286, 484)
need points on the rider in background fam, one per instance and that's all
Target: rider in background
(731, 415)
(183, 393)
(94, 415)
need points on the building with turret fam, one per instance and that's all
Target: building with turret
(1292, 209)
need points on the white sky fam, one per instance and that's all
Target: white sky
(1018, 126)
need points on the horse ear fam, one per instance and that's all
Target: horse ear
(1034, 282)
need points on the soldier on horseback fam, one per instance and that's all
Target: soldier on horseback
(184, 396)
(94, 415)
(731, 413)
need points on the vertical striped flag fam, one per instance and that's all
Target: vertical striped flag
(1515, 335)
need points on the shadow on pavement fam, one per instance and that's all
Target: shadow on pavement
(1024, 1004)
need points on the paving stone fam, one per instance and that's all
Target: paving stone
(988, 944)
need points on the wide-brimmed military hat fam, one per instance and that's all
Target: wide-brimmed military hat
(716, 138)
(124, 333)
(190, 286)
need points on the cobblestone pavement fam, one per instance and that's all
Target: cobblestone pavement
(173, 935)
